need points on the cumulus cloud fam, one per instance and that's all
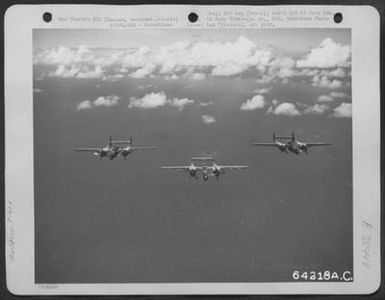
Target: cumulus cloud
(316, 109)
(198, 60)
(344, 110)
(325, 98)
(154, 100)
(107, 101)
(145, 71)
(181, 103)
(254, 103)
(326, 55)
(209, 103)
(151, 100)
(37, 90)
(262, 91)
(198, 76)
(325, 82)
(339, 72)
(182, 57)
(86, 104)
(337, 95)
(332, 96)
(207, 119)
(285, 109)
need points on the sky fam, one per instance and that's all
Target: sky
(191, 93)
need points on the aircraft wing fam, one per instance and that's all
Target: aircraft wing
(143, 148)
(232, 167)
(313, 144)
(266, 144)
(179, 168)
(87, 149)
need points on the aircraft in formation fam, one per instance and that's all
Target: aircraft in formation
(208, 167)
(291, 144)
(115, 148)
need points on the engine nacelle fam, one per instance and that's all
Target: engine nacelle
(102, 152)
(192, 171)
(217, 171)
(125, 151)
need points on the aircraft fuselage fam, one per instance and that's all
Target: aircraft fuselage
(296, 147)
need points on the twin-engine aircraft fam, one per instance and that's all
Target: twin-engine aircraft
(291, 144)
(115, 148)
(128, 147)
(208, 167)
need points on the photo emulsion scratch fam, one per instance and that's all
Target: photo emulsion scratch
(257, 121)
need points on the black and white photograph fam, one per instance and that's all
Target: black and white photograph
(241, 114)
(166, 156)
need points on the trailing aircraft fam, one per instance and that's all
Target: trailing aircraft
(115, 148)
(292, 144)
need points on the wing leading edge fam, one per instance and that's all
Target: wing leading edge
(87, 149)
(313, 144)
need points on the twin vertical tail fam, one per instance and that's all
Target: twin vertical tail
(292, 137)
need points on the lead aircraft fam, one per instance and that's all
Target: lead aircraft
(208, 167)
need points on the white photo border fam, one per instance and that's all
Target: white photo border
(20, 20)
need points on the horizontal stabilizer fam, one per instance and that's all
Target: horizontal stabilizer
(283, 137)
(203, 158)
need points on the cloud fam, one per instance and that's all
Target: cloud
(107, 101)
(324, 81)
(209, 103)
(86, 104)
(198, 76)
(154, 100)
(339, 72)
(96, 72)
(207, 119)
(262, 90)
(343, 111)
(337, 95)
(196, 60)
(37, 90)
(285, 109)
(145, 71)
(181, 103)
(327, 54)
(254, 103)
(325, 98)
(151, 100)
(316, 109)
